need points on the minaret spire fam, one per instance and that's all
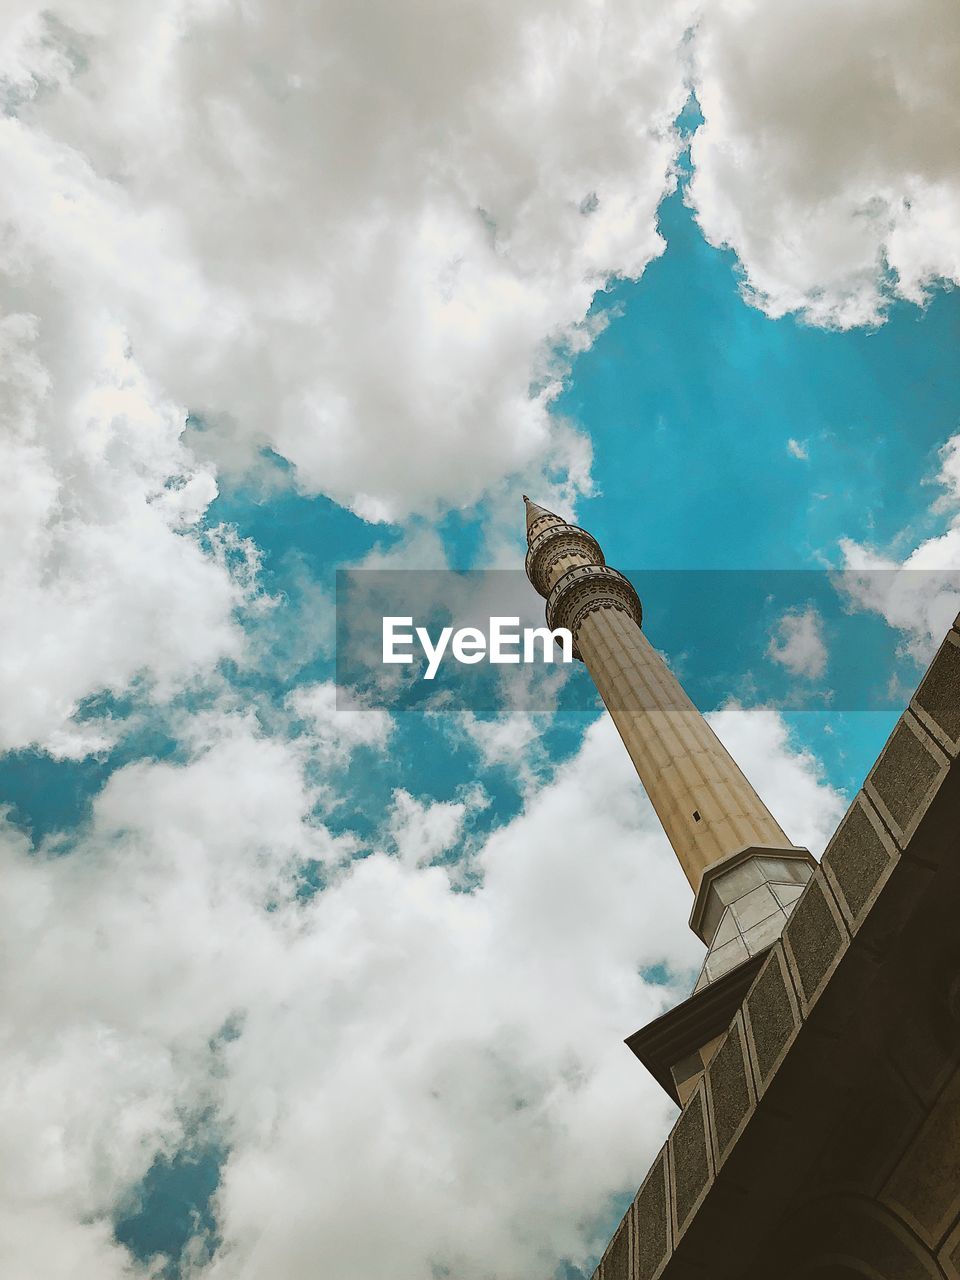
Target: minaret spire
(537, 514)
(742, 867)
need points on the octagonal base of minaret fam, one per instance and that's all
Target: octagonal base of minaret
(742, 905)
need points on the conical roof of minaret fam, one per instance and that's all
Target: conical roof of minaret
(535, 511)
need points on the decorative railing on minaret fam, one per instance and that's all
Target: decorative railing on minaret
(744, 871)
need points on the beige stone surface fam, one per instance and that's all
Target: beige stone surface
(707, 807)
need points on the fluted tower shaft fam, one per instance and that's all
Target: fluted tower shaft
(708, 809)
(745, 873)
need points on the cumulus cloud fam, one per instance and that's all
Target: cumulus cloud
(128, 956)
(463, 1049)
(790, 781)
(798, 643)
(360, 235)
(335, 732)
(320, 236)
(420, 831)
(828, 160)
(510, 739)
(315, 234)
(918, 594)
(366, 238)
(104, 577)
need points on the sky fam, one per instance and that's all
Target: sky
(298, 984)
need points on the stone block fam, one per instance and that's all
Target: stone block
(858, 861)
(906, 777)
(731, 1095)
(772, 1017)
(653, 1241)
(615, 1264)
(691, 1161)
(815, 939)
(936, 702)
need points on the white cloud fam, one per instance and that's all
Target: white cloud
(317, 235)
(791, 782)
(103, 578)
(131, 952)
(421, 831)
(355, 233)
(919, 594)
(829, 160)
(43, 1242)
(463, 1049)
(336, 730)
(798, 643)
(507, 739)
(511, 738)
(798, 449)
(948, 477)
(359, 235)
(320, 235)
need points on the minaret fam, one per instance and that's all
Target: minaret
(744, 871)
